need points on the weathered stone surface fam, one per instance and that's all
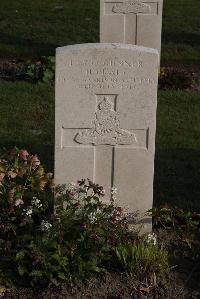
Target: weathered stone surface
(136, 22)
(106, 97)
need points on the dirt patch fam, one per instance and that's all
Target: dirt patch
(12, 70)
(181, 77)
(182, 281)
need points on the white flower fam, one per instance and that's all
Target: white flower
(151, 237)
(113, 190)
(36, 202)
(81, 196)
(103, 192)
(45, 225)
(71, 187)
(92, 217)
(113, 194)
(76, 196)
(29, 212)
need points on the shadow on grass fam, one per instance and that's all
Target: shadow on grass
(192, 39)
(177, 177)
(35, 48)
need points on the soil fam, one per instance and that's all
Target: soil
(12, 70)
(180, 76)
(182, 280)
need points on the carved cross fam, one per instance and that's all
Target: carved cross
(130, 10)
(103, 139)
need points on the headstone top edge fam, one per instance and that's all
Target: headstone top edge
(107, 46)
(114, 1)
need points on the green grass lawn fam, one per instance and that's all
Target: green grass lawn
(181, 31)
(33, 28)
(27, 121)
(36, 27)
(177, 166)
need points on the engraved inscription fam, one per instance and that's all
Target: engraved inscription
(110, 74)
(131, 7)
(107, 63)
(106, 128)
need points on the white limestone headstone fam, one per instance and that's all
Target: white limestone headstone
(137, 22)
(106, 97)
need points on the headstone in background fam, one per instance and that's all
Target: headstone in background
(106, 97)
(137, 22)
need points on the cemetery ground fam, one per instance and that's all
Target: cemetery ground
(32, 29)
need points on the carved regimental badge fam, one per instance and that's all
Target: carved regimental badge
(131, 7)
(106, 128)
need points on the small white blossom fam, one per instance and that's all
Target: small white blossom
(93, 216)
(151, 237)
(76, 196)
(103, 192)
(29, 212)
(81, 196)
(113, 194)
(114, 190)
(36, 202)
(71, 187)
(45, 225)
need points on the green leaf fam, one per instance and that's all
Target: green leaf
(61, 275)
(20, 255)
(36, 273)
(22, 270)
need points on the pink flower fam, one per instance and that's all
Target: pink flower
(118, 211)
(12, 174)
(19, 202)
(61, 236)
(23, 155)
(77, 205)
(95, 237)
(35, 160)
(2, 175)
(114, 220)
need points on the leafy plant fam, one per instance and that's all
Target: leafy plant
(43, 70)
(89, 229)
(185, 224)
(24, 189)
(74, 239)
(144, 259)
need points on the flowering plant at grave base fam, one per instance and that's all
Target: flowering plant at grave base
(24, 186)
(81, 236)
(89, 229)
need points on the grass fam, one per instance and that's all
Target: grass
(177, 171)
(27, 118)
(27, 121)
(181, 31)
(32, 28)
